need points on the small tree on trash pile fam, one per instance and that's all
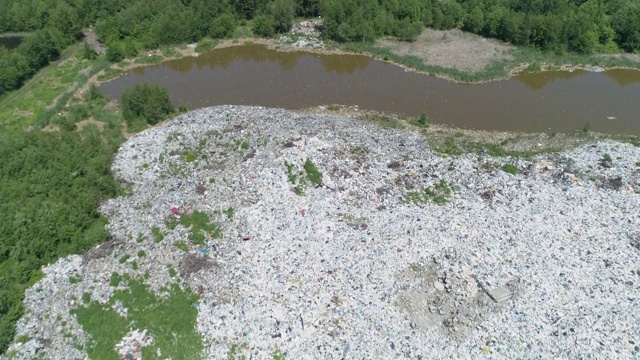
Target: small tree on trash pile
(147, 102)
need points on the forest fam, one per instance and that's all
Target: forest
(52, 183)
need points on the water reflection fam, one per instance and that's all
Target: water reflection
(624, 77)
(255, 75)
(540, 80)
(345, 64)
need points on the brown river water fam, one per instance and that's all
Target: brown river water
(254, 75)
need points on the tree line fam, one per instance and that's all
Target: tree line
(551, 25)
(126, 27)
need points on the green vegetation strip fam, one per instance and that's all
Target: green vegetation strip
(301, 178)
(199, 225)
(170, 320)
(439, 194)
(52, 184)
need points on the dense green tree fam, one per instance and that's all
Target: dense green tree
(474, 20)
(307, 8)
(282, 12)
(263, 25)
(51, 185)
(626, 23)
(148, 102)
(115, 52)
(222, 26)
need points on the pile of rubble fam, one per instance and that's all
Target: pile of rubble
(305, 34)
(338, 239)
(130, 346)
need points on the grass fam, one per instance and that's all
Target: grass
(124, 259)
(110, 73)
(115, 279)
(301, 178)
(422, 121)
(147, 60)
(22, 338)
(170, 320)
(190, 156)
(383, 121)
(510, 168)
(200, 226)
(439, 194)
(181, 245)
(454, 146)
(158, 236)
(206, 45)
(296, 178)
(46, 94)
(313, 174)
(229, 213)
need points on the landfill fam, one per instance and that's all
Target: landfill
(343, 240)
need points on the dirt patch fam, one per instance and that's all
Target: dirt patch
(92, 39)
(101, 250)
(22, 113)
(452, 49)
(434, 296)
(192, 263)
(88, 121)
(51, 128)
(632, 57)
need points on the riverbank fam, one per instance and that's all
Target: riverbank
(295, 235)
(449, 140)
(467, 58)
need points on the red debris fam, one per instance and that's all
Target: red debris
(303, 212)
(246, 238)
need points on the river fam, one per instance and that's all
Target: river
(255, 75)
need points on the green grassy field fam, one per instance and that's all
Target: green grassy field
(45, 92)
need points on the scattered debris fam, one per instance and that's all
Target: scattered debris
(499, 294)
(362, 272)
(131, 345)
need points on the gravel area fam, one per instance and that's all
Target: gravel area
(541, 264)
(452, 49)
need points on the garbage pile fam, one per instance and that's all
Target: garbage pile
(327, 237)
(130, 346)
(304, 34)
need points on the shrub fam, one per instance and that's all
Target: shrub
(222, 26)
(115, 52)
(146, 101)
(264, 26)
(422, 121)
(88, 52)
